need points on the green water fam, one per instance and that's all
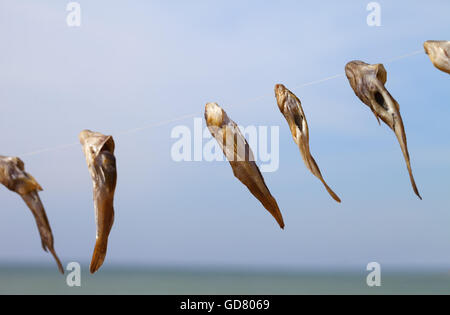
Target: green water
(159, 281)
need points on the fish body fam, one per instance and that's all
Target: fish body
(240, 156)
(99, 153)
(291, 108)
(367, 81)
(14, 177)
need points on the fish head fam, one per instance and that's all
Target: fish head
(84, 135)
(281, 93)
(13, 161)
(430, 47)
(439, 53)
(18, 162)
(214, 115)
(367, 81)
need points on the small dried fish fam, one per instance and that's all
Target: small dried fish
(14, 177)
(439, 53)
(240, 157)
(368, 83)
(99, 152)
(291, 108)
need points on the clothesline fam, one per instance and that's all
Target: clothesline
(184, 117)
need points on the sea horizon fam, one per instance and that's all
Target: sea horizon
(226, 280)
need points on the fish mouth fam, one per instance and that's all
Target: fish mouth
(210, 107)
(214, 114)
(351, 73)
(354, 65)
(84, 135)
(426, 46)
(279, 89)
(280, 93)
(430, 46)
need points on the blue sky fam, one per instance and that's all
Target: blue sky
(140, 62)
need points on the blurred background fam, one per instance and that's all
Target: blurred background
(191, 227)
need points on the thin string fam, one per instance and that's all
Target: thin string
(161, 123)
(406, 56)
(180, 118)
(58, 148)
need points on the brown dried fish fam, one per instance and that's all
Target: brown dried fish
(240, 157)
(439, 53)
(99, 152)
(291, 107)
(368, 83)
(14, 177)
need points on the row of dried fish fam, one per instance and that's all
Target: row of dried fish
(366, 80)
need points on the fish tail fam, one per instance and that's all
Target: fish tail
(314, 168)
(58, 262)
(401, 137)
(99, 255)
(331, 192)
(34, 203)
(272, 207)
(279, 218)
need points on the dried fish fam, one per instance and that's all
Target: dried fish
(14, 177)
(240, 157)
(99, 152)
(368, 83)
(291, 107)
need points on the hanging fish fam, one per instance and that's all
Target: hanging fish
(368, 83)
(240, 157)
(439, 53)
(14, 177)
(99, 152)
(291, 107)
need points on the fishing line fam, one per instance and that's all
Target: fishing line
(181, 118)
